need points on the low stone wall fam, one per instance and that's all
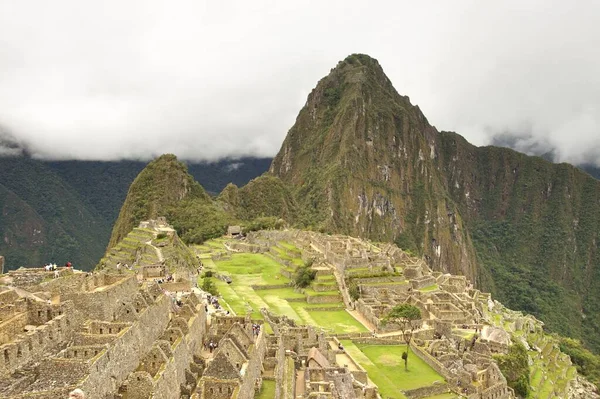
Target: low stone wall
(430, 390)
(432, 361)
(325, 309)
(270, 286)
(324, 299)
(175, 287)
(247, 247)
(379, 341)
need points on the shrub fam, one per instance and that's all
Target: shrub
(354, 292)
(515, 367)
(304, 276)
(209, 286)
(208, 273)
(160, 236)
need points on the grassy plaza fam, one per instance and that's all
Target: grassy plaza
(385, 368)
(250, 272)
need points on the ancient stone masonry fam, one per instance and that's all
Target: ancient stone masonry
(153, 249)
(454, 339)
(237, 365)
(104, 333)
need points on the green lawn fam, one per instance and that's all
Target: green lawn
(385, 368)
(267, 390)
(247, 269)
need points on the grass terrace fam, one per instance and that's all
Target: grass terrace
(267, 390)
(385, 368)
(253, 277)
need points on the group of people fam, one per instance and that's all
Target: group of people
(255, 329)
(210, 346)
(213, 300)
(167, 279)
(52, 267)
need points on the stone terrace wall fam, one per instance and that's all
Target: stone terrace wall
(103, 302)
(125, 354)
(254, 369)
(58, 327)
(183, 351)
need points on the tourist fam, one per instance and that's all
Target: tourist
(76, 394)
(56, 274)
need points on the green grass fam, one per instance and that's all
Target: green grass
(338, 321)
(433, 287)
(247, 270)
(385, 368)
(267, 390)
(289, 246)
(254, 268)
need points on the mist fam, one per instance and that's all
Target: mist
(206, 80)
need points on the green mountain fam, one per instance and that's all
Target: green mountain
(47, 207)
(161, 186)
(43, 220)
(362, 160)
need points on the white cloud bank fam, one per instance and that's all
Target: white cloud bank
(204, 80)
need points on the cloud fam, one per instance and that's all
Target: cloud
(206, 80)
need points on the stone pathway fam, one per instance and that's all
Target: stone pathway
(158, 251)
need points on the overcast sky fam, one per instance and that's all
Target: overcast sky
(133, 79)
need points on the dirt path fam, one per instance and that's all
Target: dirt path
(358, 316)
(158, 251)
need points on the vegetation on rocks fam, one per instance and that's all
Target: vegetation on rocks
(587, 363)
(304, 276)
(515, 368)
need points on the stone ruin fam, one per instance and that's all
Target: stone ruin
(306, 364)
(453, 337)
(103, 333)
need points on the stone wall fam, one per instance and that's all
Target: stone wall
(254, 368)
(424, 392)
(431, 361)
(167, 384)
(102, 302)
(56, 326)
(125, 353)
(279, 370)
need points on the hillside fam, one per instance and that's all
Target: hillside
(93, 189)
(43, 220)
(363, 161)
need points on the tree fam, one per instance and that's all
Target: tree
(515, 367)
(406, 317)
(209, 286)
(304, 276)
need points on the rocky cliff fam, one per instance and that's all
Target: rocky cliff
(362, 160)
